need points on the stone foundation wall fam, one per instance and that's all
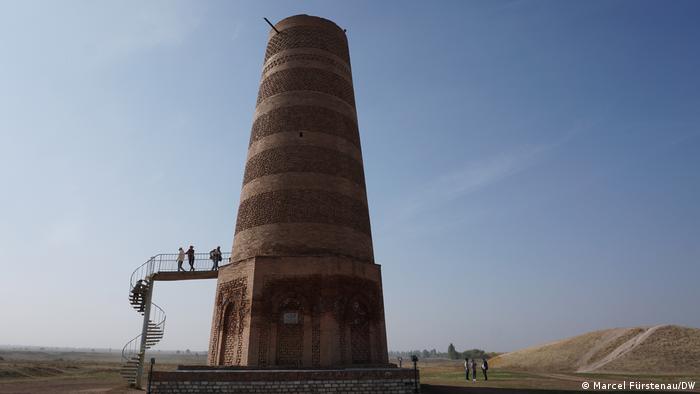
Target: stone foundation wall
(393, 381)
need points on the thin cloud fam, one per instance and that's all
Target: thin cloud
(146, 26)
(475, 176)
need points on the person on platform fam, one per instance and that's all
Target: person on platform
(190, 257)
(484, 368)
(180, 259)
(466, 367)
(473, 370)
(215, 257)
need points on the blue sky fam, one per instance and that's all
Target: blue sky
(532, 166)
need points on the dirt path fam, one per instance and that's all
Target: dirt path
(609, 337)
(70, 385)
(620, 350)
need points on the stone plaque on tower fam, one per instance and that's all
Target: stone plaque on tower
(302, 289)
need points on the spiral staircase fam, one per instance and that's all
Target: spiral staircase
(161, 267)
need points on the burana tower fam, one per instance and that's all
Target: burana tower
(302, 289)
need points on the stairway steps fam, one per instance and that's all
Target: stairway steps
(153, 334)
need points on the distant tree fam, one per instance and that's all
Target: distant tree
(177, 352)
(425, 353)
(473, 353)
(451, 352)
(187, 351)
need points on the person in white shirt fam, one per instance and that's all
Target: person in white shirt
(180, 260)
(473, 370)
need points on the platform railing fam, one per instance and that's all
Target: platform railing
(167, 262)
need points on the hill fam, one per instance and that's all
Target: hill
(657, 349)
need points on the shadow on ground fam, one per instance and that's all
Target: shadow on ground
(437, 389)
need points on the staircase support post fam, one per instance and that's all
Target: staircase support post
(144, 331)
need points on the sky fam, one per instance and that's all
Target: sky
(532, 166)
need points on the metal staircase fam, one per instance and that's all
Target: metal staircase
(133, 353)
(159, 267)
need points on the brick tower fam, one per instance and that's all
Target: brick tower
(302, 289)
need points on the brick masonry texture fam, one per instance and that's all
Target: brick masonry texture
(299, 387)
(226, 341)
(302, 239)
(394, 381)
(305, 57)
(309, 37)
(304, 158)
(354, 304)
(320, 140)
(313, 79)
(305, 118)
(303, 206)
(337, 304)
(303, 181)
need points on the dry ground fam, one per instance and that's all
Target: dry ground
(73, 371)
(447, 376)
(640, 350)
(95, 372)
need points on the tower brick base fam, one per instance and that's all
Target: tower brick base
(299, 312)
(224, 380)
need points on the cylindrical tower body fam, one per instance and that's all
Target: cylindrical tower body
(302, 289)
(304, 186)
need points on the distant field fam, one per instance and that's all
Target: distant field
(79, 371)
(74, 371)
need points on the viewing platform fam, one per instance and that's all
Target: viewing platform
(161, 267)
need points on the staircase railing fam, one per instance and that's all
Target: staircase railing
(132, 348)
(167, 262)
(133, 352)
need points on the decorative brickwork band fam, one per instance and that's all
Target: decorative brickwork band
(307, 79)
(309, 37)
(303, 206)
(304, 158)
(305, 118)
(302, 239)
(287, 57)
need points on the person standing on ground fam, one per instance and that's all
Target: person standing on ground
(180, 259)
(190, 257)
(473, 370)
(484, 368)
(466, 367)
